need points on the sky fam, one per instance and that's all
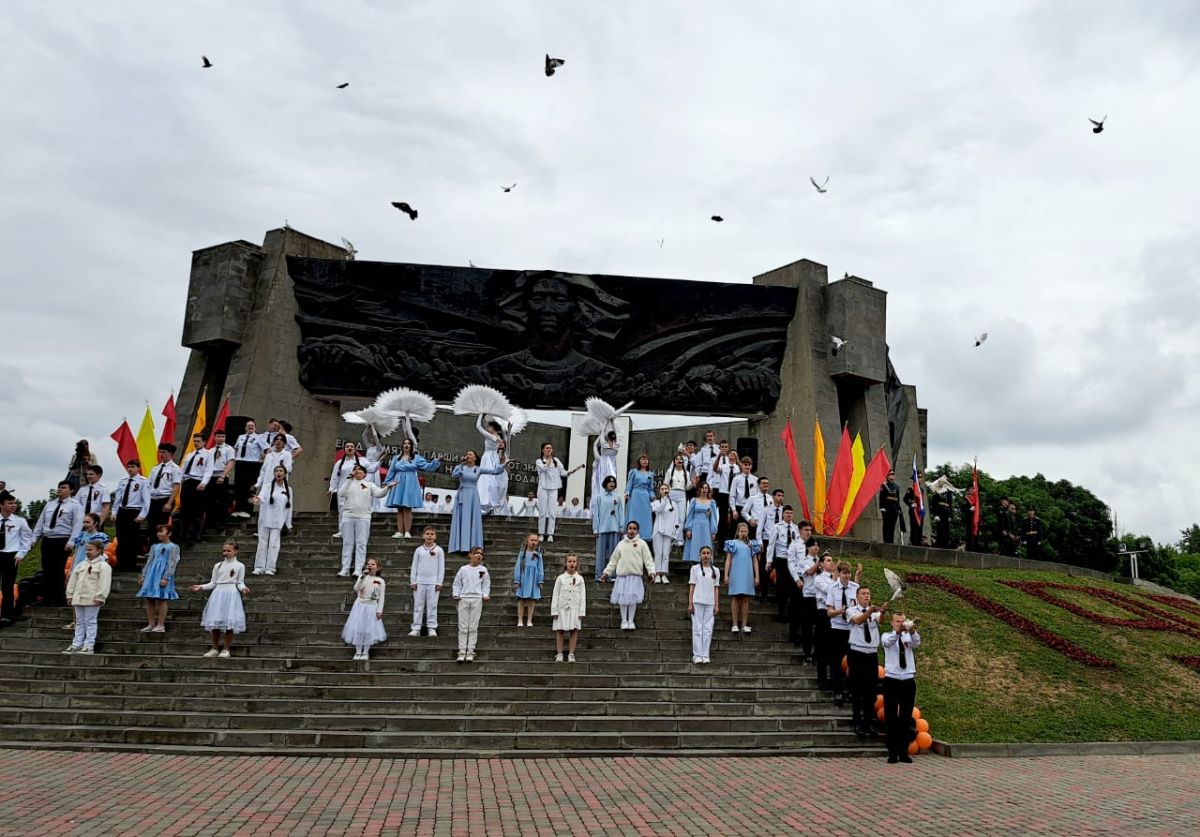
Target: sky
(964, 180)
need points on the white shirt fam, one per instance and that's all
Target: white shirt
(447, 507)
(573, 512)
(706, 580)
(858, 638)
(834, 600)
(472, 582)
(275, 506)
(342, 468)
(68, 522)
(272, 460)
(139, 495)
(891, 642)
(268, 440)
(167, 475)
(529, 508)
(550, 476)
(227, 571)
(678, 479)
(822, 581)
(99, 495)
(798, 560)
(222, 456)
(720, 471)
(738, 495)
(198, 466)
(16, 536)
(705, 457)
(428, 566)
(769, 515)
(371, 589)
(250, 447)
(782, 536)
(358, 497)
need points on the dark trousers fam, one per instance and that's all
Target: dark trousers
(722, 516)
(1033, 550)
(941, 532)
(889, 526)
(245, 475)
(864, 672)
(917, 529)
(764, 578)
(796, 603)
(129, 540)
(806, 618)
(217, 513)
(8, 578)
(898, 699)
(1006, 544)
(191, 510)
(157, 516)
(54, 567)
(821, 643)
(784, 587)
(837, 645)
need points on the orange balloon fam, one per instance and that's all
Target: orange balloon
(67, 568)
(913, 749)
(879, 713)
(924, 740)
(878, 702)
(922, 725)
(845, 665)
(916, 714)
(882, 672)
(110, 552)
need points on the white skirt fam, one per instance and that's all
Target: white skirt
(362, 628)
(628, 590)
(567, 620)
(224, 611)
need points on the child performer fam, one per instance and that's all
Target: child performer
(701, 523)
(158, 580)
(639, 487)
(224, 611)
(823, 582)
(863, 657)
(804, 565)
(466, 521)
(629, 560)
(607, 514)
(667, 531)
(741, 574)
(406, 496)
(568, 606)
(343, 472)
(899, 684)
(364, 626)
(837, 602)
(427, 576)
(472, 587)
(704, 603)
(273, 515)
(87, 590)
(357, 497)
(528, 574)
(550, 476)
(491, 494)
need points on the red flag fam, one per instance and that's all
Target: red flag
(973, 496)
(168, 410)
(873, 478)
(127, 448)
(218, 423)
(794, 464)
(839, 484)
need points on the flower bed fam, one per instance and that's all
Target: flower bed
(1150, 618)
(1060, 644)
(1175, 602)
(1190, 662)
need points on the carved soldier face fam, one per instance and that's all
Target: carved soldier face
(551, 308)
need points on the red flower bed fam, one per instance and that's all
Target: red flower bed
(1192, 662)
(1175, 602)
(1060, 644)
(1152, 619)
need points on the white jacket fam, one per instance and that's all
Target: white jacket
(359, 497)
(90, 580)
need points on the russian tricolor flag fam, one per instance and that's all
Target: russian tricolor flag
(918, 497)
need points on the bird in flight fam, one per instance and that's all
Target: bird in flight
(471, 263)
(838, 343)
(660, 242)
(205, 62)
(343, 85)
(553, 64)
(1097, 127)
(820, 187)
(508, 188)
(718, 218)
(406, 209)
(980, 340)
(351, 250)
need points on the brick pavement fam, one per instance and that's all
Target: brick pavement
(44, 792)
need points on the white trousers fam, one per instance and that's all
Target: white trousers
(354, 542)
(268, 548)
(662, 552)
(547, 501)
(425, 602)
(86, 624)
(469, 611)
(702, 628)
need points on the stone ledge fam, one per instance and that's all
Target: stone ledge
(957, 558)
(1067, 748)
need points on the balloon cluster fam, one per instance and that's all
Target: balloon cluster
(919, 737)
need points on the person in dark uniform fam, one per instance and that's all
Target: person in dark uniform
(916, 524)
(1006, 529)
(889, 507)
(1031, 535)
(941, 508)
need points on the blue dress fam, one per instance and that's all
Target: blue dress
(741, 568)
(639, 486)
(82, 539)
(407, 491)
(702, 521)
(528, 574)
(466, 521)
(608, 514)
(164, 557)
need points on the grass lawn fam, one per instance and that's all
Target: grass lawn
(982, 680)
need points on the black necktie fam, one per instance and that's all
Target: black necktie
(245, 441)
(777, 515)
(125, 497)
(4, 533)
(158, 476)
(903, 657)
(747, 486)
(54, 517)
(91, 494)
(191, 461)
(843, 598)
(867, 629)
(789, 543)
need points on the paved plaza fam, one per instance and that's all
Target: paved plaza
(44, 792)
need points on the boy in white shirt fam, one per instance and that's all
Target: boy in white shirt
(863, 657)
(899, 684)
(472, 587)
(841, 595)
(427, 576)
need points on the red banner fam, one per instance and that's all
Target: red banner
(126, 445)
(873, 479)
(168, 433)
(794, 464)
(839, 484)
(218, 423)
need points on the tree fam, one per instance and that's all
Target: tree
(35, 508)
(1156, 562)
(1189, 540)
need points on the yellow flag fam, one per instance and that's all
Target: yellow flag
(147, 445)
(198, 424)
(859, 462)
(819, 481)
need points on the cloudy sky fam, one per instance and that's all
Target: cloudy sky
(964, 181)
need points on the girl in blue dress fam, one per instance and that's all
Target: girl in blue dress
(608, 515)
(407, 495)
(466, 521)
(741, 575)
(700, 523)
(528, 574)
(158, 580)
(639, 488)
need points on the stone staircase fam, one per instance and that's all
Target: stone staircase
(292, 689)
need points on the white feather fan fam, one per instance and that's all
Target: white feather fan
(476, 398)
(404, 402)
